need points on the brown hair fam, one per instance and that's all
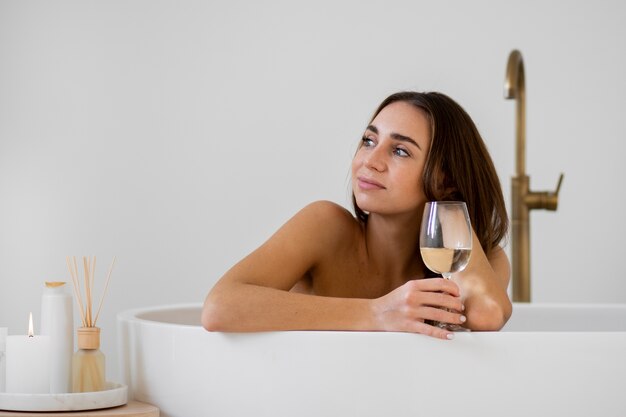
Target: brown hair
(458, 165)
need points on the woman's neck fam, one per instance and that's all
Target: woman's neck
(392, 245)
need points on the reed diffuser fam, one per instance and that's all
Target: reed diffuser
(88, 371)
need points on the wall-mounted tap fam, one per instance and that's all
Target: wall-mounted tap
(523, 200)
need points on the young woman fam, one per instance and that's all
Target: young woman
(326, 269)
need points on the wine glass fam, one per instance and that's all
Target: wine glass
(446, 241)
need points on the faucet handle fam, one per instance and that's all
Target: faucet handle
(558, 185)
(552, 199)
(547, 200)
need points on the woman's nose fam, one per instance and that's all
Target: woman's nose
(375, 159)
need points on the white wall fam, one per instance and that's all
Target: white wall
(178, 135)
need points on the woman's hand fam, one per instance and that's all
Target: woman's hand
(406, 308)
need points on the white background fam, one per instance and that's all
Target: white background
(178, 135)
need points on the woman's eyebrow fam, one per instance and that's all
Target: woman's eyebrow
(396, 136)
(403, 138)
(372, 128)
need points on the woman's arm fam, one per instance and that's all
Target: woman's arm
(254, 294)
(484, 288)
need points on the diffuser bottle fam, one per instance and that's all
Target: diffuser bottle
(88, 362)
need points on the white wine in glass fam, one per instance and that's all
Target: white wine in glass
(446, 240)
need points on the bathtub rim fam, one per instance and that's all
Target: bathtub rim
(131, 315)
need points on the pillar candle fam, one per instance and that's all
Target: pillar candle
(27, 367)
(3, 339)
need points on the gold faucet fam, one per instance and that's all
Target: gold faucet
(523, 200)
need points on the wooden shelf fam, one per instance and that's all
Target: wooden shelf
(132, 409)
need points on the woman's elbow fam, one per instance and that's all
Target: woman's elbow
(213, 317)
(490, 315)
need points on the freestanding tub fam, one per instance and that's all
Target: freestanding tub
(550, 360)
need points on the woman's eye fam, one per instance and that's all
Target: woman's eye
(367, 142)
(400, 152)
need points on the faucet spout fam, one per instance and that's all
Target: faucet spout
(515, 88)
(523, 199)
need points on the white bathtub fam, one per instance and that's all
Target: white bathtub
(550, 360)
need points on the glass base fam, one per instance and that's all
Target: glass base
(449, 326)
(452, 327)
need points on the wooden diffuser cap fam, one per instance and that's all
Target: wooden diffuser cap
(89, 338)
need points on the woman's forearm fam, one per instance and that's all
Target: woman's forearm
(487, 306)
(238, 307)
(484, 283)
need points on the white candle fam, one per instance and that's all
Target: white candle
(3, 339)
(27, 367)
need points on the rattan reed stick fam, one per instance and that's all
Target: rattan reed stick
(87, 308)
(76, 290)
(87, 292)
(106, 287)
(93, 272)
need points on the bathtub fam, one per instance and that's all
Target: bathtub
(550, 360)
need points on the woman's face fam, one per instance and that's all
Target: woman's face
(387, 169)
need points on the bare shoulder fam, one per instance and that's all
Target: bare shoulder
(329, 211)
(313, 236)
(327, 221)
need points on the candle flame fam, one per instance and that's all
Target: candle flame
(30, 325)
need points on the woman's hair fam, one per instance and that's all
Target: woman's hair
(458, 165)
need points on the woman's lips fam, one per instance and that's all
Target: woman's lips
(369, 184)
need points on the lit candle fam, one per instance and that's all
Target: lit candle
(27, 368)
